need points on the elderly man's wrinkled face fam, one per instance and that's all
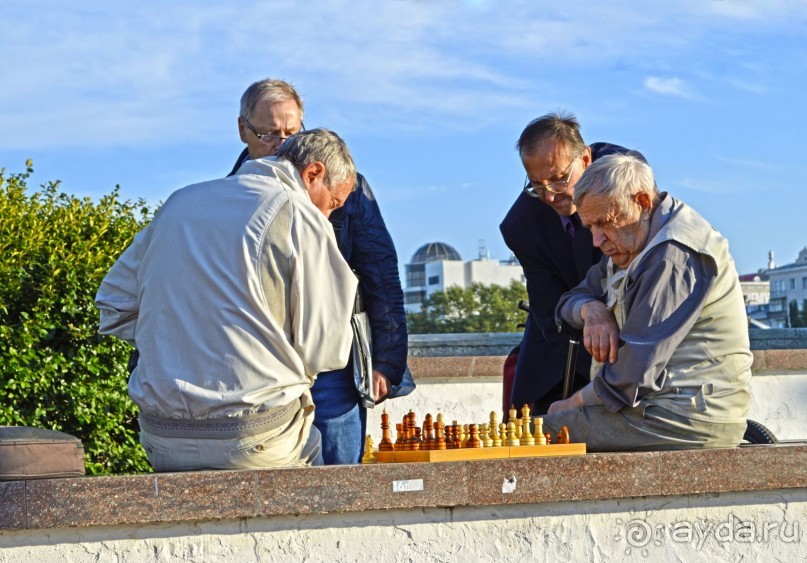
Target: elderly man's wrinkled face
(270, 124)
(620, 235)
(325, 197)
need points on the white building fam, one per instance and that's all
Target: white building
(788, 283)
(437, 266)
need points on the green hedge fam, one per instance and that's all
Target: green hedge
(55, 370)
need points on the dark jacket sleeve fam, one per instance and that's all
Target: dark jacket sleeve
(368, 248)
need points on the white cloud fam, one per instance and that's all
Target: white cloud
(92, 72)
(668, 86)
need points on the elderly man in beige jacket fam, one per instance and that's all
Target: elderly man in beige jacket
(236, 296)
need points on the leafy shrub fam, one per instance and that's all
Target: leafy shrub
(55, 370)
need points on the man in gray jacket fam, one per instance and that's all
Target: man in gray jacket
(662, 315)
(236, 296)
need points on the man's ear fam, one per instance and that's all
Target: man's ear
(644, 200)
(242, 129)
(313, 171)
(586, 156)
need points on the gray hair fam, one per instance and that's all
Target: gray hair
(559, 127)
(271, 90)
(619, 177)
(320, 145)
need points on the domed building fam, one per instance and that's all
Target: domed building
(436, 266)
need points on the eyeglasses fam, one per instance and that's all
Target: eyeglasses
(556, 187)
(270, 138)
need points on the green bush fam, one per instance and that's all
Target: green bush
(55, 370)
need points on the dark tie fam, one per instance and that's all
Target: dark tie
(570, 227)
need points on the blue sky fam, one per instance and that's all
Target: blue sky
(429, 95)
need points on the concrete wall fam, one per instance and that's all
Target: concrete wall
(765, 526)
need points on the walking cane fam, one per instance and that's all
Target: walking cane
(571, 359)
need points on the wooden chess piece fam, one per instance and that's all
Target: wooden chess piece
(512, 440)
(466, 433)
(473, 437)
(428, 433)
(441, 438)
(399, 440)
(417, 443)
(386, 441)
(450, 445)
(502, 434)
(540, 439)
(494, 428)
(563, 436)
(548, 438)
(487, 441)
(526, 436)
(512, 413)
(369, 456)
(457, 434)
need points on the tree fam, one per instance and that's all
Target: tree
(55, 370)
(796, 317)
(479, 308)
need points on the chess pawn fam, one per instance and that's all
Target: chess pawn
(440, 441)
(466, 433)
(502, 434)
(526, 437)
(399, 440)
(369, 456)
(540, 439)
(487, 441)
(457, 434)
(512, 440)
(386, 442)
(450, 445)
(417, 443)
(548, 438)
(473, 437)
(517, 423)
(428, 433)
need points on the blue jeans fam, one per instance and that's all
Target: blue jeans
(339, 416)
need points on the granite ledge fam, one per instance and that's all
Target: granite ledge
(214, 495)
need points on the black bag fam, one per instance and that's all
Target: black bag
(38, 453)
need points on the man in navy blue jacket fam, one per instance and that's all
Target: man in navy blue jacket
(272, 111)
(554, 249)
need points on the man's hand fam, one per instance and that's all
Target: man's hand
(600, 332)
(380, 386)
(573, 402)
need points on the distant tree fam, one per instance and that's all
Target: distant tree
(795, 316)
(804, 313)
(479, 308)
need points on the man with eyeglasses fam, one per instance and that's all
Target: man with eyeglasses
(272, 110)
(555, 251)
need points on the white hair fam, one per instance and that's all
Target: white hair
(619, 177)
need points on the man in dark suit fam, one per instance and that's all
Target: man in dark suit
(554, 249)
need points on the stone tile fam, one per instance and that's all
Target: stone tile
(547, 479)
(361, 487)
(759, 360)
(12, 505)
(734, 469)
(785, 359)
(453, 366)
(141, 498)
(488, 366)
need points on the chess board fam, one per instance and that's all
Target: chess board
(467, 454)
